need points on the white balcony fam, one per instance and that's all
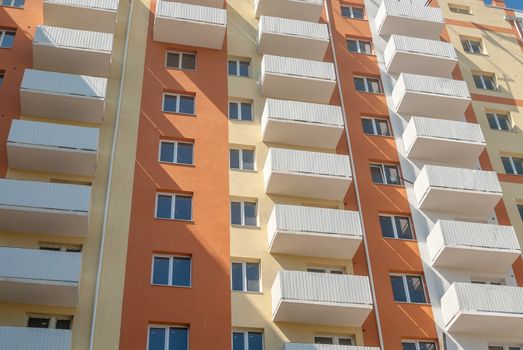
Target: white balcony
(292, 38)
(187, 24)
(297, 79)
(53, 148)
(457, 191)
(307, 174)
(321, 298)
(473, 246)
(406, 18)
(25, 338)
(305, 10)
(405, 54)
(302, 124)
(443, 141)
(430, 96)
(72, 51)
(71, 97)
(42, 207)
(484, 309)
(93, 15)
(42, 277)
(302, 346)
(311, 231)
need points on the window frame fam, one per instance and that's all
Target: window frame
(239, 105)
(240, 159)
(497, 116)
(469, 48)
(512, 165)
(395, 228)
(417, 342)
(242, 212)
(175, 154)
(3, 32)
(178, 99)
(481, 76)
(351, 11)
(459, 9)
(171, 268)
(173, 206)
(366, 83)
(375, 128)
(406, 288)
(238, 61)
(336, 338)
(327, 270)
(358, 44)
(244, 276)
(70, 248)
(2, 77)
(52, 319)
(180, 59)
(167, 328)
(385, 178)
(246, 337)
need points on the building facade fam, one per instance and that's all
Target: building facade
(276, 174)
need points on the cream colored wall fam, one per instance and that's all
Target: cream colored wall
(254, 310)
(494, 17)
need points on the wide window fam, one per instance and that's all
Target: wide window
(333, 340)
(172, 271)
(331, 270)
(176, 152)
(47, 321)
(71, 248)
(245, 276)
(465, 10)
(485, 81)
(368, 84)
(499, 121)
(240, 111)
(182, 104)
(180, 60)
(418, 345)
(168, 338)
(472, 45)
(7, 38)
(375, 126)
(239, 67)
(352, 12)
(241, 159)
(247, 340)
(393, 226)
(408, 288)
(503, 347)
(359, 46)
(513, 165)
(13, 3)
(385, 174)
(174, 207)
(243, 213)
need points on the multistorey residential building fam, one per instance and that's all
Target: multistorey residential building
(276, 174)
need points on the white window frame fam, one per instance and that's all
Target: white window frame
(395, 228)
(336, 338)
(239, 103)
(237, 61)
(173, 205)
(469, 49)
(326, 270)
(171, 267)
(461, 9)
(2, 35)
(406, 288)
(177, 111)
(358, 44)
(385, 179)
(375, 127)
(175, 151)
(488, 280)
(241, 150)
(242, 212)
(61, 247)
(497, 117)
(416, 342)
(180, 59)
(367, 85)
(244, 275)
(351, 11)
(52, 319)
(506, 347)
(246, 337)
(482, 79)
(512, 165)
(167, 334)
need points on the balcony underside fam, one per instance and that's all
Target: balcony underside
(432, 105)
(475, 258)
(460, 201)
(488, 323)
(38, 292)
(191, 33)
(297, 88)
(307, 185)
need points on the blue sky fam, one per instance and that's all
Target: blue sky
(513, 4)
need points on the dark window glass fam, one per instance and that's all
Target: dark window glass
(255, 341)
(398, 289)
(323, 340)
(237, 276)
(38, 322)
(238, 341)
(387, 230)
(365, 47)
(403, 227)
(186, 105)
(232, 67)
(253, 277)
(244, 68)
(368, 127)
(352, 45)
(8, 40)
(156, 339)
(234, 158)
(2, 74)
(53, 249)
(189, 61)
(492, 121)
(19, 3)
(357, 12)
(169, 103)
(173, 59)
(374, 85)
(248, 160)
(489, 82)
(166, 151)
(178, 338)
(233, 111)
(382, 127)
(520, 209)
(504, 123)
(416, 290)
(345, 12)
(507, 165)
(236, 213)
(246, 111)
(518, 163)
(477, 81)
(250, 213)
(376, 174)
(427, 346)
(392, 174)
(183, 208)
(185, 153)
(181, 271)
(161, 271)
(63, 324)
(345, 341)
(408, 346)
(163, 208)
(359, 83)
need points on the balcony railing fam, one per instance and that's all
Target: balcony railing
(35, 338)
(93, 15)
(301, 346)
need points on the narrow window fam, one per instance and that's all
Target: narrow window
(245, 276)
(375, 126)
(180, 60)
(2, 75)
(513, 165)
(172, 271)
(243, 213)
(359, 46)
(168, 338)
(485, 81)
(7, 38)
(176, 152)
(385, 174)
(239, 67)
(241, 159)
(368, 84)
(418, 345)
(174, 207)
(240, 111)
(408, 288)
(499, 121)
(334, 340)
(353, 12)
(181, 104)
(398, 227)
(520, 210)
(247, 340)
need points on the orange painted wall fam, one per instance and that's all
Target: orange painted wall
(206, 306)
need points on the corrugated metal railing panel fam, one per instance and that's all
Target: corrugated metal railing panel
(24, 338)
(448, 129)
(296, 218)
(62, 83)
(53, 135)
(72, 38)
(324, 287)
(108, 5)
(298, 346)
(435, 85)
(296, 161)
(41, 265)
(479, 235)
(424, 46)
(489, 298)
(44, 195)
(462, 179)
(407, 9)
(298, 67)
(204, 14)
(303, 112)
(293, 27)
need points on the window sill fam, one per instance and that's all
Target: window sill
(400, 239)
(240, 76)
(244, 171)
(182, 69)
(169, 286)
(246, 292)
(411, 303)
(241, 121)
(177, 164)
(377, 135)
(180, 220)
(246, 227)
(354, 19)
(371, 93)
(501, 130)
(392, 185)
(178, 113)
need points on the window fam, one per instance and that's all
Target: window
(352, 12)
(176, 152)
(245, 276)
(172, 271)
(393, 226)
(243, 213)
(499, 121)
(418, 345)
(178, 104)
(375, 126)
(242, 159)
(174, 207)
(459, 9)
(488, 280)
(333, 340)
(385, 174)
(367, 84)
(47, 321)
(408, 288)
(61, 248)
(513, 165)
(247, 340)
(180, 60)
(240, 111)
(334, 270)
(239, 68)
(2, 74)
(168, 338)
(472, 45)
(503, 347)
(359, 46)
(13, 3)
(7, 38)
(520, 210)
(485, 81)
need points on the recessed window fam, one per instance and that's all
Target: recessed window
(388, 174)
(485, 81)
(243, 213)
(239, 67)
(245, 276)
(463, 9)
(418, 345)
(499, 121)
(352, 12)
(359, 46)
(241, 159)
(331, 270)
(72, 248)
(180, 60)
(168, 338)
(48, 321)
(13, 3)
(183, 104)
(172, 271)
(394, 226)
(472, 45)
(408, 288)
(176, 152)
(334, 340)
(513, 165)
(376, 126)
(174, 207)
(7, 38)
(2, 75)
(368, 84)
(240, 110)
(247, 340)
